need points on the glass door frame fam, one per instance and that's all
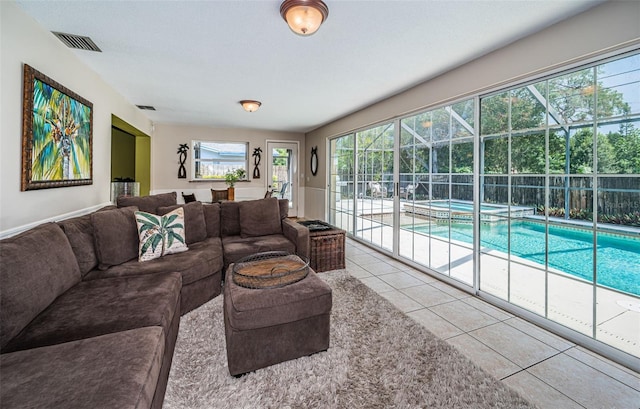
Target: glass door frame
(294, 146)
(359, 181)
(476, 287)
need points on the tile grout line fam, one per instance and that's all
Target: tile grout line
(461, 329)
(577, 359)
(497, 352)
(424, 306)
(558, 352)
(542, 380)
(525, 369)
(603, 373)
(612, 364)
(538, 339)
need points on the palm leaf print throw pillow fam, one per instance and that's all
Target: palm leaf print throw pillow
(160, 235)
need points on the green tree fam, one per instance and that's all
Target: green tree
(581, 156)
(61, 130)
(619, 152)
(572, 97)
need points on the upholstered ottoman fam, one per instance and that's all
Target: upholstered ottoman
(264, 327)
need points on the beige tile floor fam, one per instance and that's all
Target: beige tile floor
(548, 370)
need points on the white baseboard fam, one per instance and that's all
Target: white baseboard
(76, 213)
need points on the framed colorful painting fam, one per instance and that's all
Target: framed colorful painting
(57, 134)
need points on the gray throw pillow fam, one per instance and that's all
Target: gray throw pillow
(212, 219)
(149, 204)
(194, 224)
(284, 208)
(229, 219)
(116, 236)
(260, 217)
(79, 231)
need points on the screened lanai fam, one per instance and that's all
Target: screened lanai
(527, 196)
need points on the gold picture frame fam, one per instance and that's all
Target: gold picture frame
(57, 134)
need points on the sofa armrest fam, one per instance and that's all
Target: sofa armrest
(298, 234)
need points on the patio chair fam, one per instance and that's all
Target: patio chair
(283, 190)
(378, 191)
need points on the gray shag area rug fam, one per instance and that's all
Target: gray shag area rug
(378, 358)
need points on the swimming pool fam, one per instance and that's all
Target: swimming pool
(570, 249)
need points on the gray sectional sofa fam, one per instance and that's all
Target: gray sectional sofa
(84, 324)
(253, 226)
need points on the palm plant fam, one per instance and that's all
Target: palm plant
(61, 126)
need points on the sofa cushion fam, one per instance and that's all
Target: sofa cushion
(160, 235)
(284, 208)
(229, 219)
(260, 217)
(148, 204)
(79, 232)
(212, 219)
(203, 259)
(194, 223)
(35, 267)
(115, 236)
(250, 309)
(97, 307)
(118, 370)
(237, 247)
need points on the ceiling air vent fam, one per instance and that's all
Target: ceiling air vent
(77, 42)
(146, 107)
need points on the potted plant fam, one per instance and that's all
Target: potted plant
(231, 177)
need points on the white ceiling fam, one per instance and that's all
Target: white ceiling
(194, 60)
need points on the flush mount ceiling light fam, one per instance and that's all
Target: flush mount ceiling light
(304, 17)
(250, 105)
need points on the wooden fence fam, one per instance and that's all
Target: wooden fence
(616, 195)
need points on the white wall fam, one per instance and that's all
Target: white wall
(23, 40)
(164, 160)
(315, 199)
(614, 25)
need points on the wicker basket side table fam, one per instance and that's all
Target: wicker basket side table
(327, 250)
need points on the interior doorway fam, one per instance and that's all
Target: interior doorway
(130, 154)
(282, 172)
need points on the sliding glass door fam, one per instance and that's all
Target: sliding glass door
(361, 198)
(562, 157)
(528, 196)
(374, 187)
(436, 185)
(342, 182)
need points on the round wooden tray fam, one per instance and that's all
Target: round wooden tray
(269, 270)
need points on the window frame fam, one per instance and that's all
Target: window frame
(195, 160)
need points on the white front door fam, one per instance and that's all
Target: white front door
(282, 172)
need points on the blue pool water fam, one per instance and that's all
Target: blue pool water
(570, 249)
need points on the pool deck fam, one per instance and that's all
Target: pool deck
(568, 301)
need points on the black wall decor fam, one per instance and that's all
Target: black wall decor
(257, 152)
(314, 161)
(182, 157)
